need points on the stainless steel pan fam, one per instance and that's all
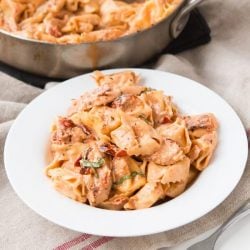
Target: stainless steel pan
(64, 61)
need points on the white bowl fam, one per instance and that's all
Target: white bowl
(25, 160)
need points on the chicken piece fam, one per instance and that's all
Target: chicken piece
(145, 197)
(98, 97)
(202, 150)
(127, 175)
(198, 125)
(169, 153)
(115, 203)
(65, 131)
(177, 132)
(98, 188)
(99, 181)
(120, 79)
(102, 96)
(169, 174)
(164, 110)
(120, 168)
(110, 87)
(134, 105)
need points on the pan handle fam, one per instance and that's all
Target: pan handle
(182, 17)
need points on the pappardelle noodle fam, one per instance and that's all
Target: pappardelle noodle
(127, 146)
(78, 21)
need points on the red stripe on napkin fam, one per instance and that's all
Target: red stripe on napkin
(73, 242)
(97, 243)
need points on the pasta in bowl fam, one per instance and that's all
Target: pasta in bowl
(25, 165)
(127, 146)
(79, 21)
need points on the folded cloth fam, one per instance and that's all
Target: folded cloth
(222, 65)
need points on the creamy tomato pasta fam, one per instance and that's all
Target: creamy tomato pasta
(127, 146)
(78, 21)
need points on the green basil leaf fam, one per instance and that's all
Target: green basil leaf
(92, 164)
(127, 177)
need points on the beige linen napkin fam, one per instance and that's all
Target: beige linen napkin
(222, 65)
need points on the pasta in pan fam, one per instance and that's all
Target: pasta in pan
(126, 146)
(78, 21)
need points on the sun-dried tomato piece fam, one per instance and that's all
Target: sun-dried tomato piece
(121, 153)
(85, 171)
(67, 123)
(107, 148)
(112, 149)
(166, 119)
(77, 161)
